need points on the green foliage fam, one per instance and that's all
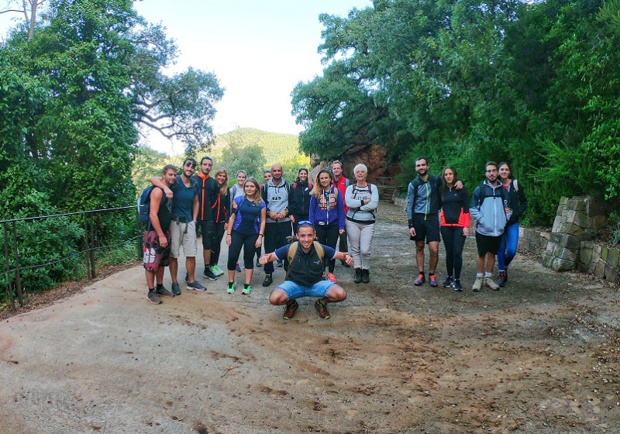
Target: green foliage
(465, 82)
(254, 151)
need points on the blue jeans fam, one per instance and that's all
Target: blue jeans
(508, 246)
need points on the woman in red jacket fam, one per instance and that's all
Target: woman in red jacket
(455, 220)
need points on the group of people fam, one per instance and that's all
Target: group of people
(322, 214)
(439, 207)
(252, 216)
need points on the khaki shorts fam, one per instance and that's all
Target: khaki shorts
(183, 234)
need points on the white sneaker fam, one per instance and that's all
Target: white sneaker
(477, 286)
(490, 283)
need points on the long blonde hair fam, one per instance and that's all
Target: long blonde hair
(257, 196)
(224, 186)
(317, 189)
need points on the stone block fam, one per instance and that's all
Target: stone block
(599, 269)
(570, 242)
(604, 253)
(576, 204)
(545, 235)
(611, 274)
(558, 222)
(582, 221)
(613, 258)
(585, 255)
(559, 264)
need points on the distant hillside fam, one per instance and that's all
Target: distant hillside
(277, 148)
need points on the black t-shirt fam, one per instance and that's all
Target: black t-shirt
(306, 268)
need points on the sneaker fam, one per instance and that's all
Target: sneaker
(432, 280)
(175, 288)
(217, 270)
(420, 280)
(501, 280)
(488, 281)
(477, 286)
(196, 285)
(209, 274)
(456, 285)
(247, 289)
(345, 265)
(358, 275)
(290, 310)
(280, 264)
(268, 280)
(449, 281)
(231, 288)
(162, 290)
(331, 277)
(365, 276)
(153, 297)
(186, 278)
(238, 268)
(321, 308)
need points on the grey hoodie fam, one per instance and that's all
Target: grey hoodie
(487, 209)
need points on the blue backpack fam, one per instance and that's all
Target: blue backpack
(144, 204)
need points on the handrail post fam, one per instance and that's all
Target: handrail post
(18, 281)
(92, 250)
(86, 249)
(9, 286)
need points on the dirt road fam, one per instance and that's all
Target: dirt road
(539, 356)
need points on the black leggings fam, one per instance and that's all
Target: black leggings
(248, 242)
(216, 245)
(328, 235)
(454, 241)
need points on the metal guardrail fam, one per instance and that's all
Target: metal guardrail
(11, 247)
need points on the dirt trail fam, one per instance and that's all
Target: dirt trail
(539, 356)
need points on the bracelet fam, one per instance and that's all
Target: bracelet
(228, 235)
(261, 235)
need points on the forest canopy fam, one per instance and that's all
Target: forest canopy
(533, 83)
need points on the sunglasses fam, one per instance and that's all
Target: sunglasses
(305, 223)
(190, 164)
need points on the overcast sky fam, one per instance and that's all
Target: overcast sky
(258, 49)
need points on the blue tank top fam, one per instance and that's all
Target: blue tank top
(183, 199)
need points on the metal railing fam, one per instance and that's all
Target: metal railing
(88, 242)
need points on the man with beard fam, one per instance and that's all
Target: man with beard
(207, 196)
(305, 275)
(423, 205)
(489, 208)
(277, 195)
(157, 238)
(183, 227)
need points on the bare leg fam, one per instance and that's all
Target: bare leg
(490, 262)
(433, 248)
(190, 264)
(419, 255)
(248, 275)
(174, 268)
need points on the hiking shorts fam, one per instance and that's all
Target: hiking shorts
(155, 256)
(487, 244)
(183, 234)
(426, 228)
(295, 290)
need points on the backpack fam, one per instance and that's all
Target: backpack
(370, 192)
(144, 204)
(292, 252)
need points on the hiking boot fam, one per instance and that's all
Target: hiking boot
(280, 264)
(321, 308)
(268, 280)
(365, 276)
(420, 280)
(456, 285)
(290, 310)
(238, 268)
(345, 265)
(247, 289)
(209, 274)
(162, 290)
(488, 281)
(449, 281)
(231, 288)
(358, 275)
(153, 297)
(477, 286)
(501, 280)
(432, 280)
(196, 286)
(331, 277)
(175, 288)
